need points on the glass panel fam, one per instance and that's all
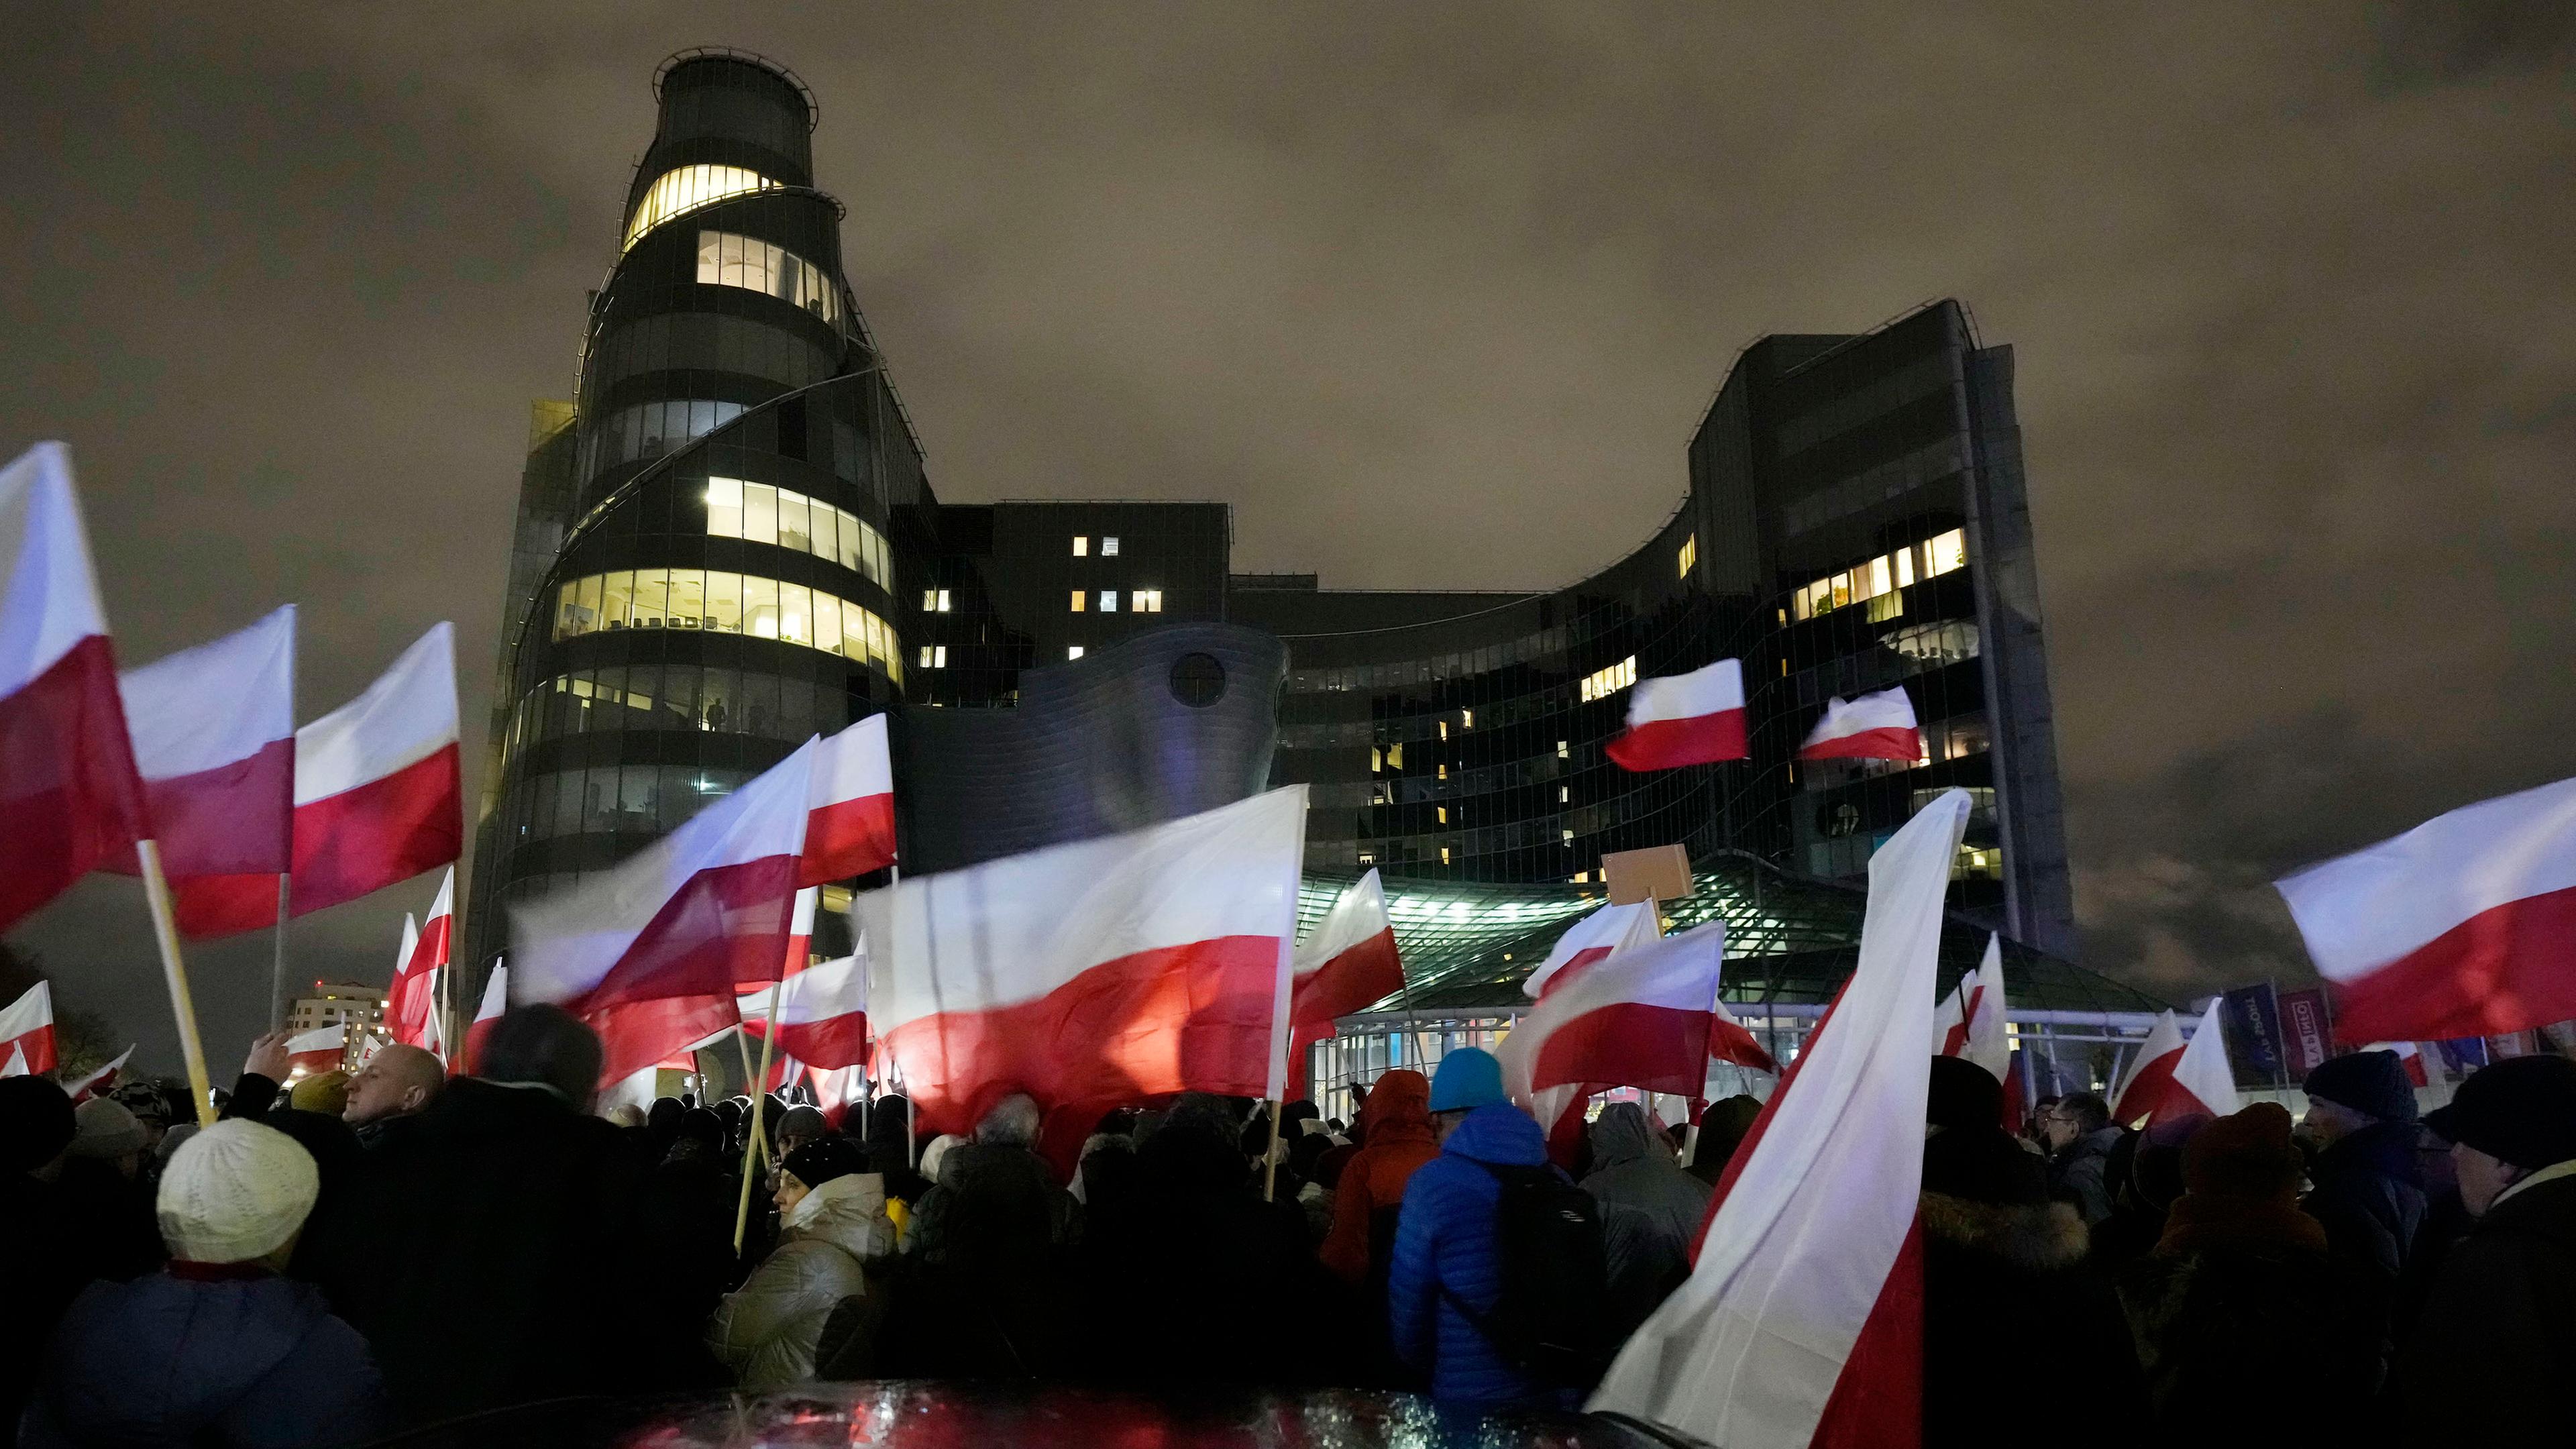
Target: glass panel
(760, 607)
(795, 614)
(850, 548)
(793, 529)
(876, 640)
(620, 591)
(827, 623)
(678, 706)
(688, 598)
(724, 602)
(827, 532)
(652, 598)
(724, 507)
(677, 787)
(635, 796)
(760, 513)
(587, 612)
(568, 610)
(719, 691)
(1946, 552)
(710, 250)
(1109, 601)
(760, 704)
(1904, 566)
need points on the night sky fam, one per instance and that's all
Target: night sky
(1435, 296)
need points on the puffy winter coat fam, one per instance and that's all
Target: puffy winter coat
(768, 1332)
(253, 1362)
(1448, 1253)
(1632, 1166)
(1400, 1140)
(1995, 1271)
(2369, 1197)
(2491, 1360)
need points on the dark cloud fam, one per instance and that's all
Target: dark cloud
(1435, 295)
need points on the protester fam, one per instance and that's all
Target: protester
(1721, 1130)
(2143, 1194)
(1632, 1165)
(2079, 1136)
(684, 1219)
(2001, 1263)
(797, 1126)
(263, 1075)
(1370, 1190)
(44, 1257)
(2361, 1116)
(1447, 1260)
(217, 1349)
(2495, 1352)
(2239, 1300)
(833, 1227)
(104, 1190)
(889, 1132)
(986, 1246)
(390, 1092)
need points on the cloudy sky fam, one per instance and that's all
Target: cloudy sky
(1434, 295)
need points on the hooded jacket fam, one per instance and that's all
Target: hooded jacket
(1448, 1252)
(1632, 1167)
(768, 1332)
(241, 1362)
(1400, 1140)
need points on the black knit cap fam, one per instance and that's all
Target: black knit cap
(2368, 1082)
(35, 1123)
(2521, 1110)
(1963, 1094)
(825, 1158)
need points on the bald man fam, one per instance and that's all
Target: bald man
(396, 1083)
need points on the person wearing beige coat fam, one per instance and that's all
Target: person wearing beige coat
(833, 1224)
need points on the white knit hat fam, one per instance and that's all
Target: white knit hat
(234, 1192)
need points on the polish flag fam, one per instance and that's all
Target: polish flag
(98, 1081)
(69, 794)
(2172, 1078)
(2457, 928)
(378, 797)
(321, 1050)
(411, 1010)
(836, 1090)
(1591, 940)
(638, 1035)
(496, 1000)
(1346, 964)
(2410, 1056)
(1684, 719)
(16, 1066)
(1101, 970)
(214, 735)
(27, 1030)
(1972, 1025)
(852, 832)
(1647, 1018)
(822, 1013)
(1873, 727)
(1802, 1320)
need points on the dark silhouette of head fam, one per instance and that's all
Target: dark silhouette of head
(544, 1046)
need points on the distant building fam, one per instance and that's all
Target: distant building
(333, 1003)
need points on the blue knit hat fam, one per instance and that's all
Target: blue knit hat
(1468, 1077)
(2373, 1083)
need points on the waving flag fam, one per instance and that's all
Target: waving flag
(1101, 970)
(1801, 1323)
(852, 832)
(2172, 1078)
(214, 736)
(320, 1050)
(411, 1007)
(496, 1000)
(1873, 727)
(1591, 940)
(377, 795)
(1347, 963)
(70, 800)
(98, 1081)
(27, 1030)
(1684, 719)
(822, 1013)
(2459, 927)
(1972, 1025)
(693, 914)
(1647, 1018)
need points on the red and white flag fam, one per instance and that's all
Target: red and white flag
(214, 735)
(1802, 1321)
(27, 1031)
(411, 1007)
(1684, 719)
(1346, 964)
(693, 914)
(1972, 1025)
(98, 1081)
(1873, 727)
(852, 832)
(1592, 940)
(1647, 1018)
(2457, 928)
(378, 796)
(320, 1050)
(822, 1013)
(835, 1090)
(1102, 970)
(2174, 1078)
(496, 1000)
(638, 1035)
(70, 800)
(2410, 1055)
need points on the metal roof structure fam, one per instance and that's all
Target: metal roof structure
(1790, 939)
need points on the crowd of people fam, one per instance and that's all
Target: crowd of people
(393, 1248)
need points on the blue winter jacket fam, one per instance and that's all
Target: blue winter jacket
(255, 1363)
(1446, 1238)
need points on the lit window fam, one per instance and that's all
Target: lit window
(1945, 552)
(930, 601)
(726, 603)
(1690, 554)
(1466, 719)
(1444, 814)
(1444, 729)
(1569, 837)
(1561, 752)
(925, 656)
(1081, 546)
(1147, 601)
(724, 508)
(943, 601)
(939, 657)
(1444, 769)
(1377, 760)
(727, 260)
(1079, 598)
(1444, 855)
(1073, 651)
(1904, 567)
(1583, 877)
(1109, 601)
(1602, 683)
(1395, 755)
(1108, 547)
(686, 188)
(1368, 857)
(1564, 795)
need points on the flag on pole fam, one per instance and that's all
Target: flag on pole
(693, 914)
(637, 1035)
(1877, 726)
(496, 1000)
(319, 1050)
(98, 1081)
(27, 1030)
(835, 1089)
(378, 796)
(2458, 927)
(1972, 1025)
(2174, 1078)
(1802, 1321)
(1684, 719)
(852, 832)
(69, 794)
(1647, 1018)
(214, 736)
(1101, 970)
(1346, 964)
(411, 1008)
(1591, 940)
(822, 1013)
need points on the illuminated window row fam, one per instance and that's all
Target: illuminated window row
(1882, 575)
(727, 604)
(1108, 545)
(728, 260)
(1603, 683)
(685, 188)
(1142, 601)
(761, 513)
(1690, 554)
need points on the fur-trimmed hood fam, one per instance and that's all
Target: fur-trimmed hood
(2035, 1237)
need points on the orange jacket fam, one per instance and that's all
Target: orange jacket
(1399, 1139)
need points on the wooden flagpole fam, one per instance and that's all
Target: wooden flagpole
(277, 967)
(165, 930)
(759, 1099)
(1270, 1159)
(759, 1084)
